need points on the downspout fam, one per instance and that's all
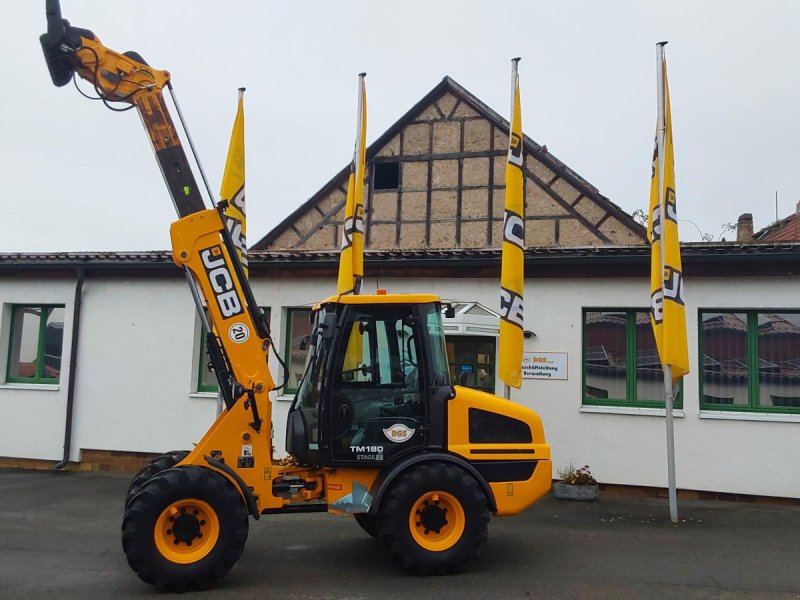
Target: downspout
(73, 355)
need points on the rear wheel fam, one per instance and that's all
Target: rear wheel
(434, 519)
(185, 529)
(154, 467)
(368, 523)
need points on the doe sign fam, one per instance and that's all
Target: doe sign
(544, 365)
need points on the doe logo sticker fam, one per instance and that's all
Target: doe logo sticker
(399, 433)
(239, 333)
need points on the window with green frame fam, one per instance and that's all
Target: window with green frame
(620, 360)
(750, 360)
(298, 326)
(206, 379)
(35, 343)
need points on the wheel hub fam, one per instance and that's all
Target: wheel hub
(436, 521)
(186, 531)
(186, 527)
(432, 516)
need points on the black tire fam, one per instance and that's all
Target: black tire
(152, 548)
(368, 523)
(408, 541)
(154, 467)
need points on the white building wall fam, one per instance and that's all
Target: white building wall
(138, 356)
(33, 416)
(136, 375)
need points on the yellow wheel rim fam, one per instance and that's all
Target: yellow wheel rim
(186, 531)
(437, 521)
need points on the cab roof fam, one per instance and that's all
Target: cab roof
(381, 299)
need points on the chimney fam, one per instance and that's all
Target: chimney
(744, 228)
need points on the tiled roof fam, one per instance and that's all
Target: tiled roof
(721, 251)
(724, 321)
(785, 230)
(777, 324)
(95, 258)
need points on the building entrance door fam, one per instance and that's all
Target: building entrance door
(472, 361)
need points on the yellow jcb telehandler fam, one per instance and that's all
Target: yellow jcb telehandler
(419, 463)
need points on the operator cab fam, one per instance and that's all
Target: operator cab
(376, 382)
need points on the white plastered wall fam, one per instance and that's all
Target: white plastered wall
(136, 375)
(32, 417)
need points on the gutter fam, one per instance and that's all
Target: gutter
(73, 355)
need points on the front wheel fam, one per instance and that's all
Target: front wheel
(434, 519)
(185, 529)
(154, 467)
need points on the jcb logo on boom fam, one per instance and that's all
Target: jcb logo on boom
(221, 281)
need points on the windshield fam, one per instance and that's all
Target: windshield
(310, 391)
(311, 356)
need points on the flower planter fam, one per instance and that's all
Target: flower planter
(581, 493)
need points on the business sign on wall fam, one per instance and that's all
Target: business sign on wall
(544, 365)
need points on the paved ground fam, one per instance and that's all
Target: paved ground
(59, 538)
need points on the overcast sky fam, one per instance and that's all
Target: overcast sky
(80, 177)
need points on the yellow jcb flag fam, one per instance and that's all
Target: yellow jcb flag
(667, 310)
(512, 275)
(233, 185)
(351, 260)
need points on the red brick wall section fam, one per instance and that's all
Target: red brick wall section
(111, 461)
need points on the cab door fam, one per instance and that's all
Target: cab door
(377, 397)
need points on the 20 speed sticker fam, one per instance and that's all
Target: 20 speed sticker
(238, 333)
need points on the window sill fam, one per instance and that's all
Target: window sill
(631, 410)
(749, 416)
(213, 396)
(50, 387)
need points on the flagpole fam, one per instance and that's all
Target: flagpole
(359, 181)
(669, 397)
(514, 75)
(230, 196)
(514, 79)
(511, 113)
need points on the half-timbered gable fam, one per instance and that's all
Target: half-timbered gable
(436, 180)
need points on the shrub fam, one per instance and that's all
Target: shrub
(574, 476)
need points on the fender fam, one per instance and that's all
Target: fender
(246, 492)
(384, 481)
